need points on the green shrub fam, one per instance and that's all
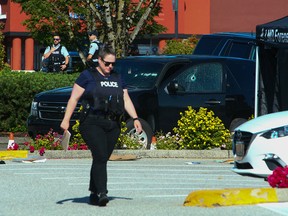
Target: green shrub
(180, 46)
(17, 92)
(201, 130)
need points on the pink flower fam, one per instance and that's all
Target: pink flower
(55, 145)
(279, 177)
(15, 146)
(38, 136)
(32, 149)
(83, 147)
(42, 151)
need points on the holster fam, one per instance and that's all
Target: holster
(85, 111)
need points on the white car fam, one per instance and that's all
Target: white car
(261, 144)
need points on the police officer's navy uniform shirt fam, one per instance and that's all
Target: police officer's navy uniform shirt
(108, 87)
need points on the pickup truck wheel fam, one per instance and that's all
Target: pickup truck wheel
(144, 137)
(235, 123)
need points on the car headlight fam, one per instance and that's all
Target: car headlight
(276, 132)
(34, 108)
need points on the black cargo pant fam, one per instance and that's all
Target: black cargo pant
(100, 135)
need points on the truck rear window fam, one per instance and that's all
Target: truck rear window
(207, 46)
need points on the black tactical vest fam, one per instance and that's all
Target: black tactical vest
(96, 53)
(55, 60)
(107, 95)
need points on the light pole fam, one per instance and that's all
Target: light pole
(175, 9)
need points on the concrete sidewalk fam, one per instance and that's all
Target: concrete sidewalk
(200, 154)
(197, 154)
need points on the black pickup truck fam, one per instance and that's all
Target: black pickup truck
(163, 86)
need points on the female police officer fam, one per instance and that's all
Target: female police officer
(105, 97)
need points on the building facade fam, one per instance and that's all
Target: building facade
(182, 18)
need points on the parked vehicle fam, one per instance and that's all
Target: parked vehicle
(141, 74)
(259, 145)
(238, 45)
(163, 86)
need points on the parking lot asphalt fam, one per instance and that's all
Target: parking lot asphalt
(145, 186)
(206, 198)
(203, 198)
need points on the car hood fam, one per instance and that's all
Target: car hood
(65, 92)
(62, 91)
(265, 122)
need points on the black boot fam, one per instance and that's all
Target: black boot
(103, 199)
(94, 199)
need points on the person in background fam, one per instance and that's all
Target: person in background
(104, 98)
(55, 57)
(92, 58)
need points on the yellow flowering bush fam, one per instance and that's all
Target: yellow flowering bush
(77, 141)
(201, 130)
(125, 141)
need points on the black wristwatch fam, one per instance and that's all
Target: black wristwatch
(134, 119)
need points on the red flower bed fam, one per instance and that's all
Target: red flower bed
(279, 178)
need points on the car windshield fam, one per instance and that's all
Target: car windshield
(139, 74)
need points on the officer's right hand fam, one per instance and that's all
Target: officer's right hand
(64, 125)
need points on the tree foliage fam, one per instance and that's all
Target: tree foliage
(117, 21)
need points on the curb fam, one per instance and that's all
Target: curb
(200, 154)
(197, 154)
(236, 196)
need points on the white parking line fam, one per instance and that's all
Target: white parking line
(166, 196)
(128, 177)
(49, 173)
(59, 178)
(280, 208)
(163, 188)
(170, 170)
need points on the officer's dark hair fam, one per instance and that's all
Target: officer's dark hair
(56, 34)
(105, 50)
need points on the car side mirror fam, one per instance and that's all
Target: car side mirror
(172, 87)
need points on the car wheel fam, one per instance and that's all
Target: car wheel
(145, 136)
(235, 123)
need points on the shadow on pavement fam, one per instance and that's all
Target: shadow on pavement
(86, 199)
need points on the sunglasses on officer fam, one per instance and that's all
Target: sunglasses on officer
(56, 39)
(107, 64)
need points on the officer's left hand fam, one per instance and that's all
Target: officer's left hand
(138, 126)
